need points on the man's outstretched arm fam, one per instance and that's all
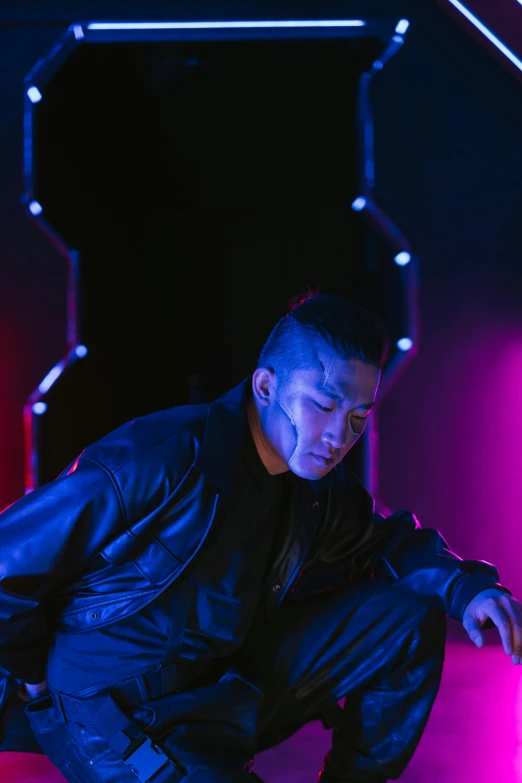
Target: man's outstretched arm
(468, 590)
(422, 560)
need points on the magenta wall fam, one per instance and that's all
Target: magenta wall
(451, 436)
(449, 160)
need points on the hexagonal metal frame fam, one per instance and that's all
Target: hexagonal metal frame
(80, 34)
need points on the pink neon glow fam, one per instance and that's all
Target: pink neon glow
(451, 439)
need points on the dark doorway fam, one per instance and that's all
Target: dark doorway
(203, 184)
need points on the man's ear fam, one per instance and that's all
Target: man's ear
(263, 385)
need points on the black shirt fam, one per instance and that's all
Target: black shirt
(227, 584)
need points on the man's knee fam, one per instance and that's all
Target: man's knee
(425, 617)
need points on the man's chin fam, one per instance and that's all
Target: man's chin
(312, 473)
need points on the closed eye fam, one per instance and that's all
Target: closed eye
(322, 407)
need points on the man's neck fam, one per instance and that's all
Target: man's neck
(267, 454)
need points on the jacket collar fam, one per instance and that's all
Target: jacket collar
(223, 436)
(219, 453)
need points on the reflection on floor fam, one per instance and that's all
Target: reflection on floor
(474, 734)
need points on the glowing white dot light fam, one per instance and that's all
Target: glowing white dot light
(402, 258)
(78, 32)
(81, 351)
(405, 344)
(225, 25)
(34, 94)
(39, 408)
(402, 26)
(487, 32)
(359, 204)
(50, 378)
(35, 208)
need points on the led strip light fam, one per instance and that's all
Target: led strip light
(487, 33)
(253, 25)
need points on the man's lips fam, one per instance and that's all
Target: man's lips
(324, 457)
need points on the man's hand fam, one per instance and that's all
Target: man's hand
(504, 611)
(29, 692)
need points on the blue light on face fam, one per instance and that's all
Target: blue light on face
(35, 208)
(487, 32)
(405, 344)
(402, 26)
(81, 351)
(359, 204)
(34, 94)
(402, 258)
(225, 25)
(39, 408)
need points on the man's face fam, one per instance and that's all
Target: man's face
(316, 417)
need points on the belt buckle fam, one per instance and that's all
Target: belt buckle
(146, 760)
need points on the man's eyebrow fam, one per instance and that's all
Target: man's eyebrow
(329, 393)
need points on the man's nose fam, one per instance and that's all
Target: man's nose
(337, 440)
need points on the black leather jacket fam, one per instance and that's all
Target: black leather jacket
(130, 514)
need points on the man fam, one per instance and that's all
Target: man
(205, 580)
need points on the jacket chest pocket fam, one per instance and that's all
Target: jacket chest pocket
(157, 564)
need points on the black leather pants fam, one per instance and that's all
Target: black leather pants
(375, 645)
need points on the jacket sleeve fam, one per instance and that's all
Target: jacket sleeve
(47, 538)
(421, 559)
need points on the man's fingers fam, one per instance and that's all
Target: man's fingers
(507, 616)
(22, 692)
(515, 618)
(29, 692)
(503, 623)
(473, 630)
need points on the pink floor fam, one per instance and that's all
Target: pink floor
(474, 734)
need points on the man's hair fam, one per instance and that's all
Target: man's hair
(349, 329)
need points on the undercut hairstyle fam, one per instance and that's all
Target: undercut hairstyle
(351, 330)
